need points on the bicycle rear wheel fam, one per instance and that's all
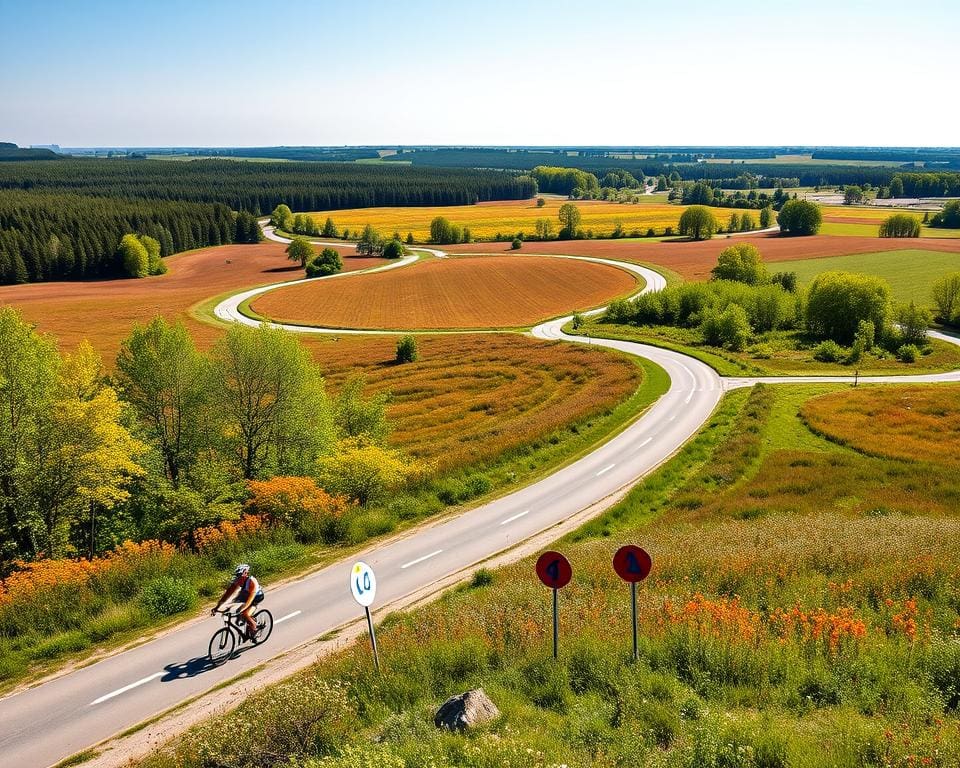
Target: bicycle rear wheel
(264, 620)
(222, 645)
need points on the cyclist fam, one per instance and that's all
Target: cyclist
(248, 592)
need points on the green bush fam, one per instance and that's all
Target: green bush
(838, 302)
(516, 244)
(908, 353)
(900, 225)
(407, 350)
(166, 596)
(828, 352)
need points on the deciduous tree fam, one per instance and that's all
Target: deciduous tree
(698, 223)
(800, 217)
(270, 394)
(166, 380)
(300, 250)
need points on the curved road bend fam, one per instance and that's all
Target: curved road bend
(50, 722)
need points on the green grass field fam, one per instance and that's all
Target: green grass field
(910, 272)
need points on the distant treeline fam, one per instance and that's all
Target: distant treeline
(949, 156)
(930, 184)
(66, 236)
(312, 154)
(810, 174)
(10, 151)
(260, 187)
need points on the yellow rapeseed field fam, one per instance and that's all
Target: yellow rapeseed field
(509, 217)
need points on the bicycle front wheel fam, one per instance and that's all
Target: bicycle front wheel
(264, 621)
(222, 645)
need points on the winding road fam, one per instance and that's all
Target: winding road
(47, 723)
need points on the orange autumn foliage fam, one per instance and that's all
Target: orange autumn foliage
(288, 500)
(211, 536)
(32, 579)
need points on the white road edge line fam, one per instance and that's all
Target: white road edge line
(125, 688)
(421, 559)
(515, 517)
(288, 616)
(605, 470)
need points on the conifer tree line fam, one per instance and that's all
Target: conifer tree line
(69, 236)
(258, 188)
(66, 219)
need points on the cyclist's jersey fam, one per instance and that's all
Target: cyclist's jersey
(247, 584)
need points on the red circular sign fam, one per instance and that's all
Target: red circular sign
(632, 563)
(554, 570)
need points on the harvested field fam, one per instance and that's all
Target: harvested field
(469, 398)
(693, 261)
(103, 311)
(485, 292)
(486, 220)
(911, 423)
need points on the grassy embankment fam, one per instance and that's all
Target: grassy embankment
(802, 612)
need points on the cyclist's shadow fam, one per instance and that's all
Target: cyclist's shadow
(194, 667)
(186, 669)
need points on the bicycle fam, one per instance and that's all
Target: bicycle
(224, 642)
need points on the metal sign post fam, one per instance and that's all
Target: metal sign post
(554, 570)
(363, 586)
(633, 564)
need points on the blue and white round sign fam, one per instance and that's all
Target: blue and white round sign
(363, 584)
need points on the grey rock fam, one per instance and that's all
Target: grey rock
(466, 710)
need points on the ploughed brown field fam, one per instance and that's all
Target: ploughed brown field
(483, 292)
(693, 261)
(103, 311)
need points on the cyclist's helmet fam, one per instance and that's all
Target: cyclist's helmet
(240, 570)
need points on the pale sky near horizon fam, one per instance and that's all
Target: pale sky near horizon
(216, 73)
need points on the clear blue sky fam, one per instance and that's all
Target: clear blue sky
(212, 73)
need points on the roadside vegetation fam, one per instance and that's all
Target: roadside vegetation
(128, 495)
(802, 611)
(767, 322)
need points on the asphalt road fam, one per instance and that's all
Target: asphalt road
(50, 722)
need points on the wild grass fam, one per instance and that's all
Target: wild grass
(814, 635)
(917, 424)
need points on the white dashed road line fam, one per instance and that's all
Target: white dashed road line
(605, 470)
(288, 616)
(515, 517)
(421, 559)
(125, 688)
